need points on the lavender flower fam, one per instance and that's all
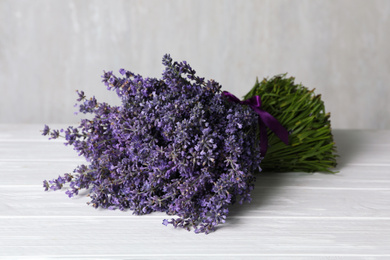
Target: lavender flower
(46, 130)
(175, 145)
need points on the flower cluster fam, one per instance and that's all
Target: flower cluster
(174, 145)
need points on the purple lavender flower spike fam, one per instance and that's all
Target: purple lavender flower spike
(46, 130)
(175, 145)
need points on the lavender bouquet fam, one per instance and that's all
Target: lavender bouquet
(176, 144)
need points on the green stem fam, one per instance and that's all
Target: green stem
(311, 147)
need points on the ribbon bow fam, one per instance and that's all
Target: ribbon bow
(265, 119)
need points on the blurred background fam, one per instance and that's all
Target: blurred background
(50, 48)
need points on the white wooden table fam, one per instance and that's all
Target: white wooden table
(292, 215)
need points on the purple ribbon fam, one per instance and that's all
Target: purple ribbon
(265, 119)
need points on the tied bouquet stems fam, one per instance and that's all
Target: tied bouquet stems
(311, 147)
(179, 145)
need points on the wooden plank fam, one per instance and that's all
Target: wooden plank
(31, 172)
(354, 146)
(37, 151)
(360, 148)
(345, 138)
(25, 131)
(143, 237)
(266, 201)
(371, 155)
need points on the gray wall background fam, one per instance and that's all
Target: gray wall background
(50, 48)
